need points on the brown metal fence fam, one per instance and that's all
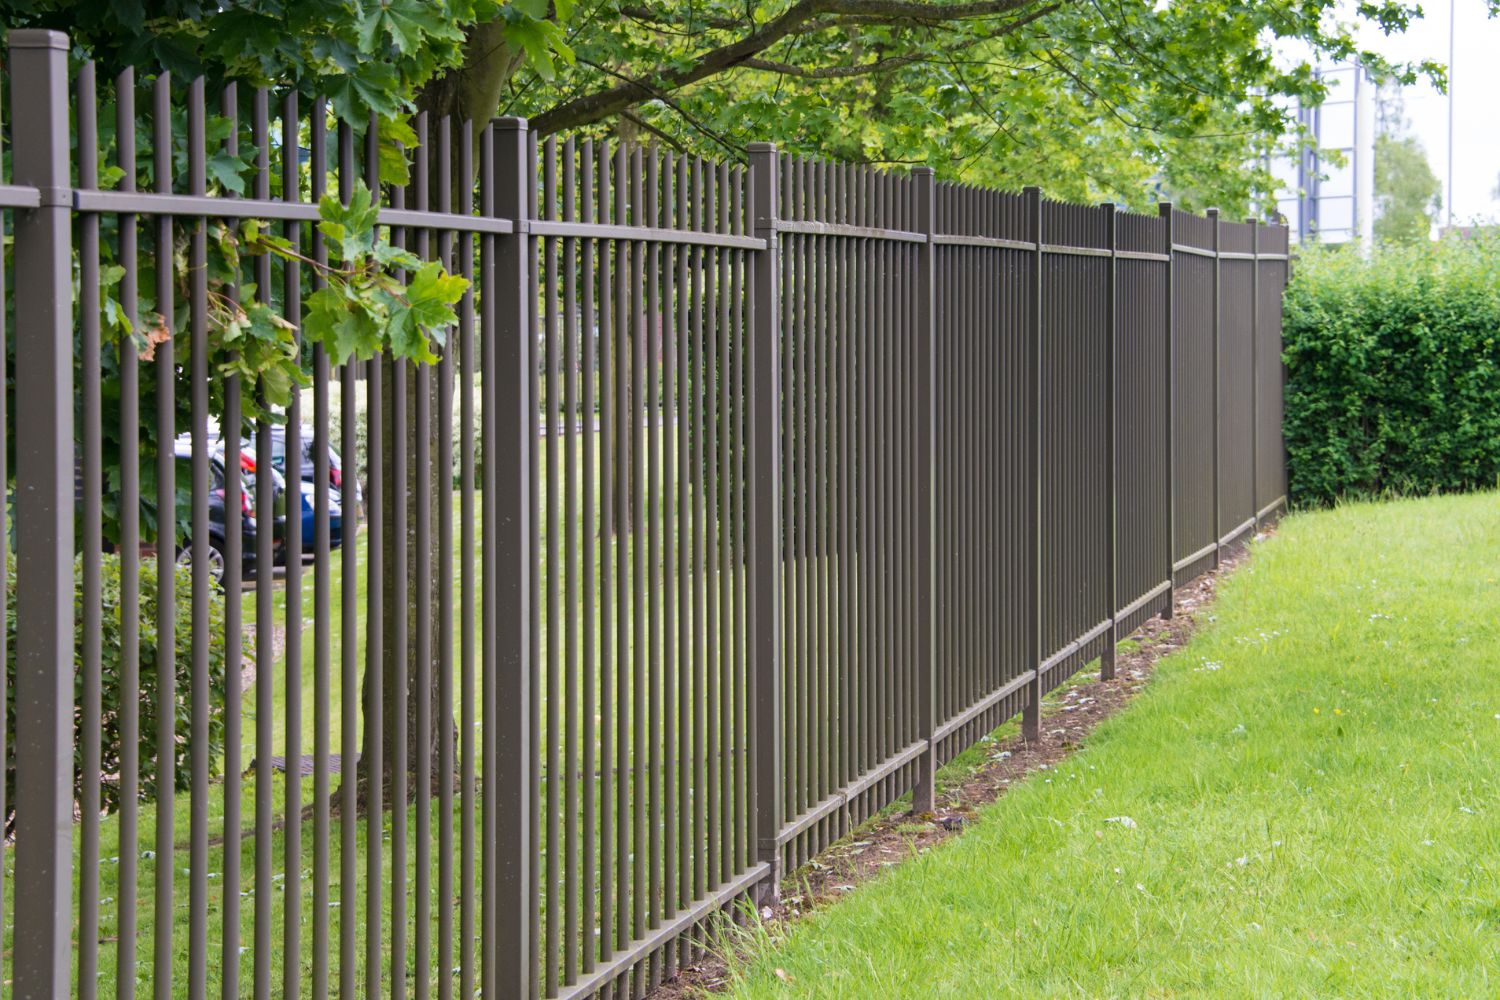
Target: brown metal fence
(773, 487)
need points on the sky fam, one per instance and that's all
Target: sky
(1476, 101)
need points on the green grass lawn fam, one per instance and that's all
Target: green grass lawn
(1314, 790)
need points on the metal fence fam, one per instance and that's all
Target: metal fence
(777, 486)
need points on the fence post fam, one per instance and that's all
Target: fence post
(1111, 462)
(1164, 210)
(1213, 216)
(923, 180)
(763, 608)
(44, 517)
(1255, 374)
(515, 432)
(1031, 718)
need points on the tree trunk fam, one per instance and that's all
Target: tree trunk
(469, 93)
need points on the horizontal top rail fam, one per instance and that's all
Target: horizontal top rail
(87, 200)
(801, 228)
(997, 242)
(18, 196)
(1064, 248)
(642, 234)
(149, 203)
(1195, 251)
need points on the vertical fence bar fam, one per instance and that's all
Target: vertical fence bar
(92, 541)
(42, 944)
(291, 307)
(469, 692)
(1031, 721)
(763, 609)
(349, 627)
(1213, 217)
(1111, 461)
(322, 582)
(166, 539)
(234, 543)
(648, 795)
(1254, 373)
(130, 555)
(264, 629)
(924, 402)
(551, 417)
(1164, 210)
(489, 648)
(373, 759)
(571, 433)
(515, 425)
(200, 694)
(591, 532)
(7, 759)
(421, 692)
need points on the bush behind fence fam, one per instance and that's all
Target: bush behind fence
(862, 466)
(1393, 371)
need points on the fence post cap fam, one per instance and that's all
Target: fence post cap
(761, 147)
(510, 123)
(1164, 208)
(923, 171)
(1212, 213)
(37, 38)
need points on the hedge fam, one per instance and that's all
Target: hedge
(1393, 371)
(111, 685)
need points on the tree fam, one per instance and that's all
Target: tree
(1124, 100)
(1408, 194)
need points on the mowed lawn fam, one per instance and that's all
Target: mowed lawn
(1312, 789)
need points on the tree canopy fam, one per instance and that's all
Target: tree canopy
(1121, 99)
(1408, 194)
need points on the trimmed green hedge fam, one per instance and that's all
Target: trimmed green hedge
(1393, 371)
(111, 685)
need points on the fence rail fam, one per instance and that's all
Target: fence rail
(741, 498)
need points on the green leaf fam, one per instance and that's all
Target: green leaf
(431, 294)
(225, 170)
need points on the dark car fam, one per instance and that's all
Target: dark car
(218, 520)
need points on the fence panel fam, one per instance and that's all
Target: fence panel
(1194, 432)
(1272, 271)
(849, 264)
(729, 504)
(1076, 478)
(985, 281)
(1236, 380)
(1141, 380)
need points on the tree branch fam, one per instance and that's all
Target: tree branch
(601, 104)
(831, 72)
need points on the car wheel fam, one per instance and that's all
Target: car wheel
(216, 561)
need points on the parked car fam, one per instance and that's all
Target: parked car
(308, 496)
(218, 516)
(309, 467)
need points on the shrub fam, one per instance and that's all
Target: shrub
(1393, 371)
(111, 651)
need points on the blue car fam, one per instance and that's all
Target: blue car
(310, 519)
